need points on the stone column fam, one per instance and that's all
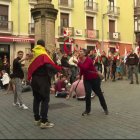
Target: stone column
(44, 16)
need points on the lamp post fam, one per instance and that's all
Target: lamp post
(102, 45)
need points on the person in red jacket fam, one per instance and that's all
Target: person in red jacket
(91, 81)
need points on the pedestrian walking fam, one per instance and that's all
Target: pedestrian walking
(18, 76)
(91, 82)
(41, 69)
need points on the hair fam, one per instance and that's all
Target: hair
(62, 76)
(20, 52)
(41, 42)
(85, 51)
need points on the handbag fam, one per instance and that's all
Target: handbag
(101, 76)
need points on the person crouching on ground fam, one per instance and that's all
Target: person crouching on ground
(61, 87)
(91, 81)
(77, 89)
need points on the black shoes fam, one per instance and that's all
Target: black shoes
(133, 82)
(85, 113)
(106, 112)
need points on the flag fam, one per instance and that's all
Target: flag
(125, 55)
(66, 39)
(40, 57)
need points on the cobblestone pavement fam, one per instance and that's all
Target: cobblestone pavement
(123, 121)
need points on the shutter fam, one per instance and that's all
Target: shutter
(64, 2)
(111, 26)
(90, 23)
(64, 20)
(3, 10)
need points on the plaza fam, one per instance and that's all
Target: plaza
(122, 122)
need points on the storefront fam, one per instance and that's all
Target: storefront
(10, 45)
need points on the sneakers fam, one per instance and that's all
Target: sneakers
(37, 123)
(23, 106)
(16, 104)
(46, 125)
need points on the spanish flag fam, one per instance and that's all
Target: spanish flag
(40, 57)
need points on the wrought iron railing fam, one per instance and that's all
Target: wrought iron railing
(6, 26)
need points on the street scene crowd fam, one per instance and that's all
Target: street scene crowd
(76, 74)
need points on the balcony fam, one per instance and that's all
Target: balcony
(68, 31)
(113, 11)
(6, 27)
(66, 4)
(91, 34)
(91, 7)
(114, 37)
(31, 28)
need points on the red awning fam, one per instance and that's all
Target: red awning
(16, 39)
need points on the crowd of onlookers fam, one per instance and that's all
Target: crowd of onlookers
(66, 82)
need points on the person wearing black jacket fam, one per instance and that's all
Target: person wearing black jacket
(132, 61)
(17, 77)
(40, 72)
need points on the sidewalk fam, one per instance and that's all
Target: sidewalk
(123, 121)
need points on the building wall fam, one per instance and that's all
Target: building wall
(124, 23)
(20, 17)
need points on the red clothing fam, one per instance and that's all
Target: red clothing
(87, 69)
(60, 85)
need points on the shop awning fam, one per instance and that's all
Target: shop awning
(16, 39)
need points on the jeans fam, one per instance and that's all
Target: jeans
(18, 90)
(93, 84)
(133, 69)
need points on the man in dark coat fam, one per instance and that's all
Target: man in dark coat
(40, 72)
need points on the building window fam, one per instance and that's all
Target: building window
(90, 23)
(3, 16)
(64, 20)
(64, 2)
(89, 3)
(3, 13)
(111, 5)
(111, 26)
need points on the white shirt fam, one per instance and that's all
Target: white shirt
(71, 60)
(5, 79)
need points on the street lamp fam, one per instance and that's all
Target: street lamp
(102, 45)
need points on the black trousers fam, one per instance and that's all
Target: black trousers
(42, 114)
(41, 92)
(94, 84)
